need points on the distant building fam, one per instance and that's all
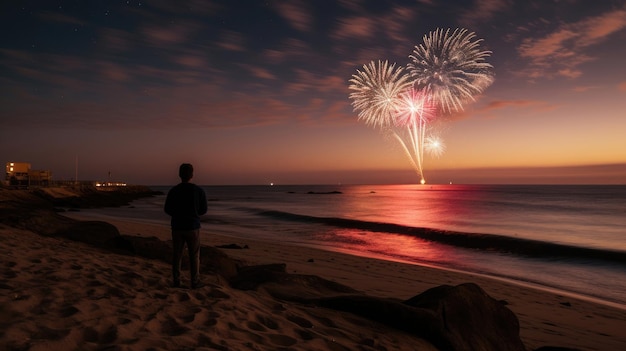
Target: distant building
(19, 175)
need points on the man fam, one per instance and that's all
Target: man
(186, 202)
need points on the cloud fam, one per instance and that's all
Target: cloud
(297, 14)
(116, 39)
(391, 24)
(357, 27)
(259, 72)
(191, 61)
(273, 56)
(482, 12)
(562, 51)
(159, 35)
(582, 89)
(232, 41)
(497, 105)
(122, 106)
(386, 35)
(500, 104)
(111, 71)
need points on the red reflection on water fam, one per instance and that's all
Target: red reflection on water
(388, 246)
(418, 206)
(422, 206)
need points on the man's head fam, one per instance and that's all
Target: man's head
(185, 172)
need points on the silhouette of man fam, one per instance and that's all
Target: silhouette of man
(185, 203)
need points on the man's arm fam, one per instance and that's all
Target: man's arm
(202, 206)
(169, 206)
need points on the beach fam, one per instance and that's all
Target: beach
(59, 293)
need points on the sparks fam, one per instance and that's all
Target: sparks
(376, 90)
(450, 68)
(446, 71)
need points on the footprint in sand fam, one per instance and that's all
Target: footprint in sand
(282, 340)
(173, 328)
(190, 315)
(302, 322)
(256, 326)
(268, 322)
(68, 311)
(46, 333)
(181, 297)
(107, 336)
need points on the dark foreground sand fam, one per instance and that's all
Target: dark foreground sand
(59, 294)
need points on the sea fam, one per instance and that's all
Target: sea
(566, 238)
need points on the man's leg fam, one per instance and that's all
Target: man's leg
(178, 244)
(193, 245)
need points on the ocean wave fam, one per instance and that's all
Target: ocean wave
(479, 241)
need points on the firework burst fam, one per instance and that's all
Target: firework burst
(450, 67)
(413, 106)
(434, 145)
(376, 90)
(446, 71)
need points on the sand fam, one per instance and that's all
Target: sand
(58, 294)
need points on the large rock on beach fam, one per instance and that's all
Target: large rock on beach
(96, 233)
(453, 318)
(469, 319)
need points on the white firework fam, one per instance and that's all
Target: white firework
(376, 92)
(450, 68)
(434, 145)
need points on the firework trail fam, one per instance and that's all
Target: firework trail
(447, 70)
(413, 113)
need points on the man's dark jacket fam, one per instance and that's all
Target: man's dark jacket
(186, 202)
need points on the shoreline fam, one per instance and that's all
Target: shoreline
(522, 283)
(207, 227)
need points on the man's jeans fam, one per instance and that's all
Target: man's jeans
(192, 239)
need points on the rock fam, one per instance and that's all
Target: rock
(469, 319)
(96, 233)
(280, 284)
(419, 322)
(459, 318)
(452, 318)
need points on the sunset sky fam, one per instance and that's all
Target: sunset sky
(253, 92)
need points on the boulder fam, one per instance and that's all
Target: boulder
(469, 319)
(280, 284)
(96, 233)
(452, 318)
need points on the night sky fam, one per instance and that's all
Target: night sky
(253, 92)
